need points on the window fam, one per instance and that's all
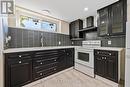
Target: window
(48, 26)
(32, 23)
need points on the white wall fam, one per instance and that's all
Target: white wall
(127, 66)
(2, 20)
(62, 26)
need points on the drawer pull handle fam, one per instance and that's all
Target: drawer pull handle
(109, 53)
(20, 56)
(20, 62)
(54, 60)
(41, 63)
(54, 69)
(41, 74)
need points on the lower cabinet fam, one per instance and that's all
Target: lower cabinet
(106, 64)
(18, 69)
(23, 68)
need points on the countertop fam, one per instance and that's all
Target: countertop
(13, 50)
(110, 48)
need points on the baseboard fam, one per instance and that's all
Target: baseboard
(109, 82)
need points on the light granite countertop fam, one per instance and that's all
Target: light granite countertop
(13, 50)
(110, 48)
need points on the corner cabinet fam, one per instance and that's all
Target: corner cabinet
(111, 19)
(106, 64)
(75, 26)
(25, 67)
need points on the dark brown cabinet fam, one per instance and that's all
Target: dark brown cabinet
(75, 26)
(45, 63)
(23, 68)
(69, 58)
(18, 69)
(103, 22)
(117, 25)
(106, 64)
(111, 20)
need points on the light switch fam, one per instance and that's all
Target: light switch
(59, 42)
(109, 42)
(72, 42)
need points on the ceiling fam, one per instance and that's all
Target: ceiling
(67, 10)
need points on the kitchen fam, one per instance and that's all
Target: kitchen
(54, 43)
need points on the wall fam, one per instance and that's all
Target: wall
(21, 38)
(63, 26)
(3, 27)
(127, 72)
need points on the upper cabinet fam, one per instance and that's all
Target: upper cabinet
(103, 21)
(75, 26)
(111, 20)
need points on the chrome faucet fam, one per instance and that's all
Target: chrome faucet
(7, 39)
(42, 40)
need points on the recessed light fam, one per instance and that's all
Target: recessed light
(47, 11)
(86, 9)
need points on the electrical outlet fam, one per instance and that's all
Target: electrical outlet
(72, 42)
(109, 42)
(59, 42)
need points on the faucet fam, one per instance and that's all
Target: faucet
(7, 39)
(42, 40)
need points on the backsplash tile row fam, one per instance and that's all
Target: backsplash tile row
(116, 41)
(21, 38)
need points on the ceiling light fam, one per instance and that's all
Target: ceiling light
(85, 9)
(46, 11)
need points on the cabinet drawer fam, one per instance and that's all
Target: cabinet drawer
(43, 54)
(45, 73)
(18, 55)
(105, 53)
(44, 61)
(18, 61)
(43, 67)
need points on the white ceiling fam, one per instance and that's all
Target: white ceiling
(67, 10)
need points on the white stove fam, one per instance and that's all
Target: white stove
(84, 55)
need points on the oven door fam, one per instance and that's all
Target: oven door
(85, 57)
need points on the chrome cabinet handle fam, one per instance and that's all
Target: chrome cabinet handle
(41, 74)
(41, 63)
(20, 56)
(20, 62)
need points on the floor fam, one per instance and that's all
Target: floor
(73, 78)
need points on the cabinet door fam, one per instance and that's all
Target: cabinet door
(103, 22)
(72, 30)
(62, 59)
(19, 72)
(69, 58)
(117, 18)
(100, 66)
(112, 69)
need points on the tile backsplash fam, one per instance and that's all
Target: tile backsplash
(116, 41)
(21, 38)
